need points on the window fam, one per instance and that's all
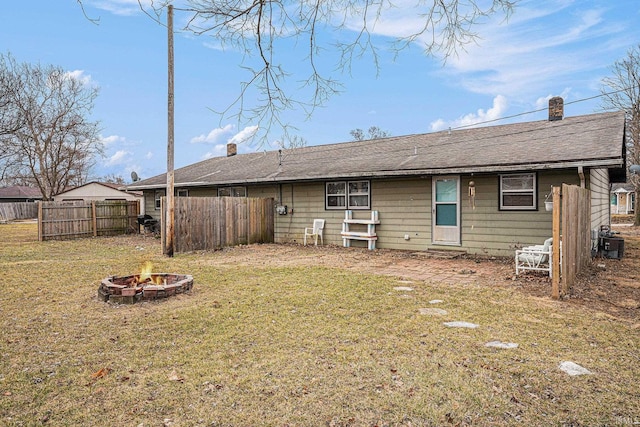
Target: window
(232, 192)
(183, 193)
(157, 198)
(446, 202)
(348, 195)
(518, 192)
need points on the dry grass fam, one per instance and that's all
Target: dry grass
(303, 346)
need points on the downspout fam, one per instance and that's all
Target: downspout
(581, 175)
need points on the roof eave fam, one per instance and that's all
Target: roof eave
(608, 163)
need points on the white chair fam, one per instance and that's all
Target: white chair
(315, 231)
(536, 257)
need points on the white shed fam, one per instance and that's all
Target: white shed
(99, 191)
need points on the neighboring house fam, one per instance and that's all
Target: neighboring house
(623, 199)
(98, 191)
(480, 190)
(19, 193)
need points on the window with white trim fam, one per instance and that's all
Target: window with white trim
(518, 192)
(232, 191)
(158, 195)
(183, 193)
(348, 195)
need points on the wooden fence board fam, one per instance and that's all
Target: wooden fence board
(576, 233)
(72, 220)
(209, 223)
(18, 210)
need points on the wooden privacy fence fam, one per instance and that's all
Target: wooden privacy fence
(72, 220)
(573, 219)
(18, 210)
(208, 223)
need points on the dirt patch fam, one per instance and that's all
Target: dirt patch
(609, 286)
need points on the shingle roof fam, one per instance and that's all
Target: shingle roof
(111, 185)
(590, 140)
(622, 188)
(20, 192)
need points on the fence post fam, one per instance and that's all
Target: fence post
(94, 219)
(40, 221)
(555, 256)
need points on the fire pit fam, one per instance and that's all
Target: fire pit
(145, 286)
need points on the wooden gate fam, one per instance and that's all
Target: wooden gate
(572, 227)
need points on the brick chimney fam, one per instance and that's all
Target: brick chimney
(556, 108)
(232, 149)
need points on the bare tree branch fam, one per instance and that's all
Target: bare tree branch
(92, 20)
(53, 145)
(258, 29)
(621, 91)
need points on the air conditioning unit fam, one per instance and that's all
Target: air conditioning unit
(612, 247)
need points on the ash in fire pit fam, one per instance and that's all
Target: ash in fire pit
(143, 287)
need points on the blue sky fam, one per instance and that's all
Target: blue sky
(546, 48)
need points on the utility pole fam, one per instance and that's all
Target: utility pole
(170, 206)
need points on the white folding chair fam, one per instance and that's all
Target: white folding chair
(536, 257)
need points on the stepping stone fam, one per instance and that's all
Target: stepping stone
(435, 301)
(433, 311)
(573, 369)
(403, 288)
(500, 344)
(460, 325)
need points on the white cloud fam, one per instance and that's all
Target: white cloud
(119, 7)
(127, 7)
(541, 45)
(111, 139)
(220, 137)
(221, 149)
(149, 155)
(120, 157)
(244, 135)
(214, 136)
(544, 43)
(497, 111)
(543, 101)
(80, 76)
(217, 151)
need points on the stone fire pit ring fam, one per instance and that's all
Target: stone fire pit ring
(130, 289)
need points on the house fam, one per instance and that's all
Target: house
(18, 202)
(479, 190)
(623, 199)
(19, 193)
(98, 191)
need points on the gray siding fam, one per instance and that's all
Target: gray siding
(487, 230)
(404, 207)
(150, 204)
(600, 204)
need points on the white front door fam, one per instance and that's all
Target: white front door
(446, 210)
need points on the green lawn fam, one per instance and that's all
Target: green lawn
(299, 346)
